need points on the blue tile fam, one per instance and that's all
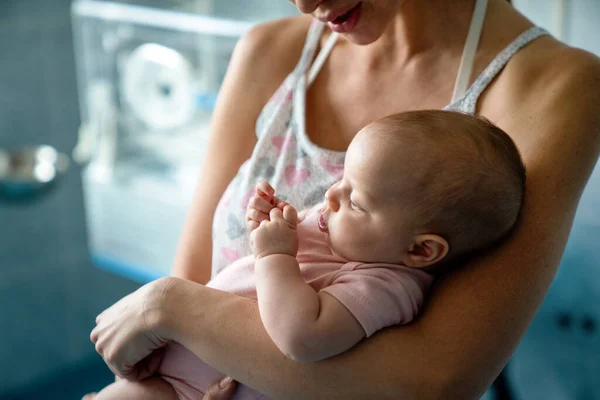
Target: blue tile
(33, 322)
(89, 291)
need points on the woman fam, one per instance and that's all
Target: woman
(390, 56)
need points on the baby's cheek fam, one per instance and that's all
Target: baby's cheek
(346, 239)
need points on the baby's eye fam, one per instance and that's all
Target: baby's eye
(354, 206)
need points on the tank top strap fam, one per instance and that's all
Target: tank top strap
(311, 43)
(469, 102)
(278, 108)
(306, 74)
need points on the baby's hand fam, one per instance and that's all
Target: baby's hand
(261, 204)
(276, 235)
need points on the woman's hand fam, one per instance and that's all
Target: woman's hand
(126, 334)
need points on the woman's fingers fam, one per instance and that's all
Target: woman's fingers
(124, 339)
(94, 335)
(221, 390)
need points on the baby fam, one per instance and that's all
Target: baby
(421, 192)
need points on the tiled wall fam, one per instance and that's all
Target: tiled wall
(49, 291)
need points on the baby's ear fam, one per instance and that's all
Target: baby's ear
(426, 250)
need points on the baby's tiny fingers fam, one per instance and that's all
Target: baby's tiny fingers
(264, 188)
(260, 204)
(275, 214)
(256, 215)
(280, 203)
(251, 225)
(290, 215)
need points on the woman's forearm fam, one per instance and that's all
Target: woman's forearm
(226, 332)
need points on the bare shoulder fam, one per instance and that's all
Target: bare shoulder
(551, 67)
(548, 99)
(268, 52)
(541, 72)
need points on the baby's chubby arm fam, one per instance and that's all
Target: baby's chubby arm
(305, 325)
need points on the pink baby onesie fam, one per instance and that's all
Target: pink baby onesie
(378, 295)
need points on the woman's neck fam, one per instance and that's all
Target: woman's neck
(425, 27)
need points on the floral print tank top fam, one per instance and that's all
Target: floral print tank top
(299, 170)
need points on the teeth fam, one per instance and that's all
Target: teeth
(343, 17)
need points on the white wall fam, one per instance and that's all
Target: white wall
(580, 20)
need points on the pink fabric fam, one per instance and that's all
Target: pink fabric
(191, 377)
(378, 295)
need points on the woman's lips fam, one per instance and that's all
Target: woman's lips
(322, 223)
(346, 22)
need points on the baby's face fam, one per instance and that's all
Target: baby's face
(368, 213)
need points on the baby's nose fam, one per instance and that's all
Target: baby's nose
(331, 199)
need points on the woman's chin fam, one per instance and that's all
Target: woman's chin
(362, 37)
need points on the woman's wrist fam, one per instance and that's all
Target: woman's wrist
(186, 309)
(162, 318)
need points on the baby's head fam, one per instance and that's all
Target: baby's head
(425, 188)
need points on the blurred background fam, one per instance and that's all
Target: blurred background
(123, 91)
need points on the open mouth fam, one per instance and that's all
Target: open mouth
(322, 223)
(345, 17)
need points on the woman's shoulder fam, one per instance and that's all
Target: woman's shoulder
(548, 99)
(547, 68)
(278, 37)
(270, 51)
(557, 62)
(546, 84)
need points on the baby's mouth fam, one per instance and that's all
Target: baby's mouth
(322, 223)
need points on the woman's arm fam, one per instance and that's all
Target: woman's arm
(475, 316)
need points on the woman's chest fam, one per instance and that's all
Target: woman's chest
(337, 107)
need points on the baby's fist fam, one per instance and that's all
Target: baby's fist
(261, 204)
(277, 235)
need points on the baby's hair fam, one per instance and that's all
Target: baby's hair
(474, 184)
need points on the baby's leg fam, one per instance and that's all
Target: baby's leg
(148, 389)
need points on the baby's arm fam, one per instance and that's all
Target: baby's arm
(305, 325)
